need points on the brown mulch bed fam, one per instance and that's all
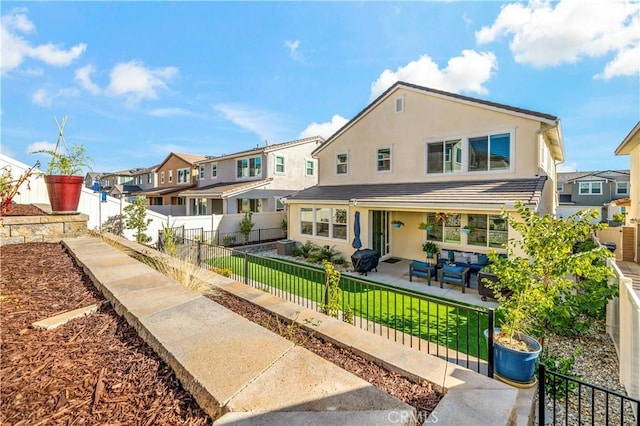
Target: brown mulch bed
(24, 210)
(96, 369)
(422, 396)
(92, 370)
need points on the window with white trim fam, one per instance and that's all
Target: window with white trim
(444, 156)
(590, 188)
(492, 152)
(342, 163)
(149, 178)
(249, 204)
(279, 164)
(184, 175)
(170, 176)
(279, 204)
(201, 175)
(383, 159)
(309, 169)
(161, 177)
(249, 167)
(324, 222)
(560, 187)
(214, 170)
(622, 188)
(469, 154)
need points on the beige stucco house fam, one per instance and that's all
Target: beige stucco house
(415, 152)
(631, 146)
(253, 180)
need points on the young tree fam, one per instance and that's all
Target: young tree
(246, 225)
(136, 218)
(555, 286)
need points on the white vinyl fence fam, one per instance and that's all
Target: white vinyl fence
(91, 205)
(623, 325)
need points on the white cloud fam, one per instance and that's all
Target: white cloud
(293, 49)
(136, 82)
(324, 129)
(170, 112)
(15, 48)
(83, 76)
(41, 98)
(544, 35)
(466, 73)
(567, 167)
(40, 146)
(266, 124)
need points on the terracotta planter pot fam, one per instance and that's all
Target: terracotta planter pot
(64, 193)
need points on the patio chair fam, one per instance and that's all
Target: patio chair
(422, 270)
(454, 275)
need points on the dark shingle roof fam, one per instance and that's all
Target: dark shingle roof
(497, 192)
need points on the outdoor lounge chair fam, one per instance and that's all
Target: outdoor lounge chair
(454, 275)
(422, 270)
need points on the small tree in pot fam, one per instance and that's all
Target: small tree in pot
(64, 183)
(545, 294)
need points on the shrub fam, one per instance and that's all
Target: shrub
(114, 224)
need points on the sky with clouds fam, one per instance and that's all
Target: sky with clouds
(138, 80)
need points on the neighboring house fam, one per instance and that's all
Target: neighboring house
(593, 190)
(415, 152)
(176, 173)
(631, 146)
(93, 177)
(110, 180)
(253, 180)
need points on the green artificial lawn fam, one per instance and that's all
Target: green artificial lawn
(449, 326)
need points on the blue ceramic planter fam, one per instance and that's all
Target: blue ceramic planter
(517, 366)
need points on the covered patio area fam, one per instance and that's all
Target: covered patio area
(395, 272)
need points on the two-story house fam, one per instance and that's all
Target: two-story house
(596, 190)
(178, 172)
(253, 180)
(420, 155)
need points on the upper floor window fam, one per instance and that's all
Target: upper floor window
(279, 204)
(383, 159)
(201, 175)
(476, 154)
(184, 175)
(342, 164)
(149, 178)
(622, 188)
(309, 169)
(560, 187)
(590, 188)
(161, 177)
(444, 156)
(279, 164)
(399, 104)
(170, 176)
(488, 153)
(214, 170)
(249, 167)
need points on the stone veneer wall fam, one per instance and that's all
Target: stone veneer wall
(45, 228)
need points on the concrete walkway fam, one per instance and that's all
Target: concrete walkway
(241, 373)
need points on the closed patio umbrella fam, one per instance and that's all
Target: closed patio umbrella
(356, 244)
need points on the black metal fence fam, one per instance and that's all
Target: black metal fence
(440, 327)
(227, 239)
(566, 400)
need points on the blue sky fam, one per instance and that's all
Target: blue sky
(138, 80)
